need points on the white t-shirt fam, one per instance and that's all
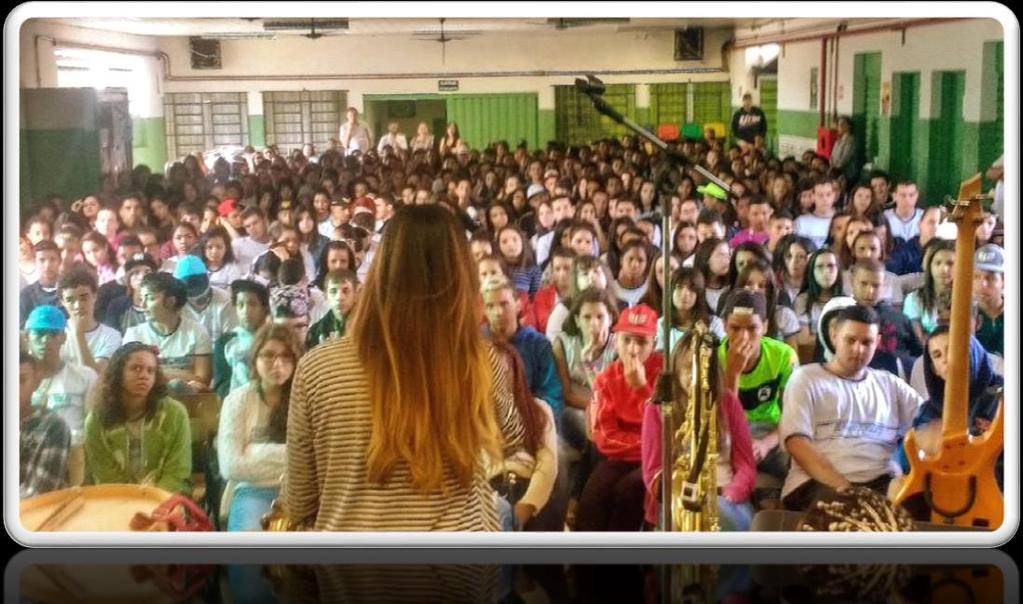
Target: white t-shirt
(317, 305)
(855, 424)
(102, 342)
(906, 229)
(396, 141)
(65, 393)
(713, 296)
(716, 327)
(247, 249)
(177, 348)
(217, 318)
(326, 228)
(543, 248)
(632, 297)
(556, 322)
(813, 227)
(787, 321)
(228, 274)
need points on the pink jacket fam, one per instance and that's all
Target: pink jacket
(744, 468)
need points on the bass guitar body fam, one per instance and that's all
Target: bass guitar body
(959, 483)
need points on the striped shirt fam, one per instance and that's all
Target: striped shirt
(329, 430)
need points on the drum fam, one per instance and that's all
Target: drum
(106, 507)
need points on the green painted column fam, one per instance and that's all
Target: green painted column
(257, 131)
(149, 143)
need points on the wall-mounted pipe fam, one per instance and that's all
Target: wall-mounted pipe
(898, 25)
(822, 84)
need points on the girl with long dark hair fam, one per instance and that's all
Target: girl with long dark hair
(136, 433)
(253, 425)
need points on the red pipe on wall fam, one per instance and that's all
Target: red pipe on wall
(822, 82)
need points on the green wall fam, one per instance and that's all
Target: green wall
(798, 123)
(149, 143)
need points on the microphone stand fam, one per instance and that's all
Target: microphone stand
(664, 391)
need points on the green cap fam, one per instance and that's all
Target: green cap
(713, 190)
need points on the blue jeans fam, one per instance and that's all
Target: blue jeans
(734, 516)
(248, 506)
(505, 515)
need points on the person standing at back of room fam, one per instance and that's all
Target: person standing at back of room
(748, 122)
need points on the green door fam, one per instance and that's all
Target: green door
(867, 103)
(487, 118)
(946, 159)
(905, 114)
(991, 137)
(769, 105)
(578, 123)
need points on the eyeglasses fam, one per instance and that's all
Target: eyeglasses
(286, 357)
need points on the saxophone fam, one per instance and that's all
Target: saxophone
(689, 462)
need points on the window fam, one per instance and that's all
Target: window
(86, 68)
(576, 120)
(296, 118)
(204, 121)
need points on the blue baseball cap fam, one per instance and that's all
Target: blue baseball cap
(189, 266)
(46, 318)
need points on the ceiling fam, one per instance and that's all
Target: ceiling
(253, 27)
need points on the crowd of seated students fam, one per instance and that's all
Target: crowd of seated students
(829, 298)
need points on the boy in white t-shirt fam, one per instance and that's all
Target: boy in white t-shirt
(817, 226)
(88, 343)
(842, 421)
(208, 306)
(65, 386)
(184, 347)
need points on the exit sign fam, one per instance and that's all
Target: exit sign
(447, 85)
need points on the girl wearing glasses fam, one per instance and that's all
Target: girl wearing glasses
(253, 422)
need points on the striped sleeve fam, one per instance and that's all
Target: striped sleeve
(508, 420)
(300, 491)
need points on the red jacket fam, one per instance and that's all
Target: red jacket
(617, 412)
(543, 304)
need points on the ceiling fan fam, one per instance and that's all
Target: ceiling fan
(318, 28)
(568, 23)
(444, 38)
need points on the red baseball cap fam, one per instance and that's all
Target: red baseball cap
(226, 207)
(365, 203)
(639, 320)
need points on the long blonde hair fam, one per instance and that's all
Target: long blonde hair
(416, 331)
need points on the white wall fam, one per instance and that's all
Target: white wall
(951, 46)
(399, 64)
(39, 65)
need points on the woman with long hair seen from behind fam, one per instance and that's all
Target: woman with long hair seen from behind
(389, 427)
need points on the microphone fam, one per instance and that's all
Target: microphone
(590, 86)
